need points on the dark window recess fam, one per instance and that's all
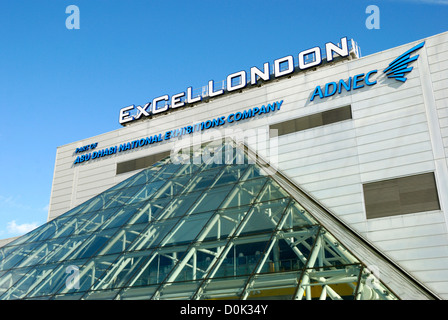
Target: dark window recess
(401, 196)
(314, 120)
(140, 163)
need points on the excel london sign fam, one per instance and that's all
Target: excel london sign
(236, 81)
(397, 70)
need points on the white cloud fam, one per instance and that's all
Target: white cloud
(23, 228)
(14, 202)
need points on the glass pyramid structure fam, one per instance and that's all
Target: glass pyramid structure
(225, 227)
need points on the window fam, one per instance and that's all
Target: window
(140, 163)
(314, 120)
(401, 196)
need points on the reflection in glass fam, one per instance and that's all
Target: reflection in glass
(220, 228)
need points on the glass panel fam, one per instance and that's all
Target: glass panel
(138, 293)
(93, 244)
(300, 243)
(56, 279)
(282, 258)
(272, 191)
(265, 217)
(200, 263)
(43, 232)
(42, 250)
(121, 240)
(122, 196)
(95, 204)
(84, 207)
(107, 199)
(20, 253)
(252, 172)
(121, 217)
(95, 220)
(66, 248)
(101, 295)
(156, 269)
(153, 234)
(227, 224)
(146, 191)
(297, 217)
(148, 211)
(204, 179)
(6, 251)
(89, 273)
(241, 259)
(28, 282)
(187, 229)
(231, 174)
(211, 199)
(244, 193)
(179, 206)
(172, 187)
(187, 169)
(167, 171)
(9, 279)
(122, 270)
(66, 226)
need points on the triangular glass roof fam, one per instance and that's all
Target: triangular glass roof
(225, 227)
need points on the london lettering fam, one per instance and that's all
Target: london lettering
(235, 81)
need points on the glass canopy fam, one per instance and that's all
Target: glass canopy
(220, 228)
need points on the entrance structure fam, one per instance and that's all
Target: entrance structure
(227, 227)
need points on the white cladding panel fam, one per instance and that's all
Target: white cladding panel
(398, 129)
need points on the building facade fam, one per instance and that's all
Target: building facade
(366, 138)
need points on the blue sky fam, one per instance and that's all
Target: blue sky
(60, 85)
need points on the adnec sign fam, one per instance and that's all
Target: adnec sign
(397, 70)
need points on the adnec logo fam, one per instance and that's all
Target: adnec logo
(397, 70)
(399, 67)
